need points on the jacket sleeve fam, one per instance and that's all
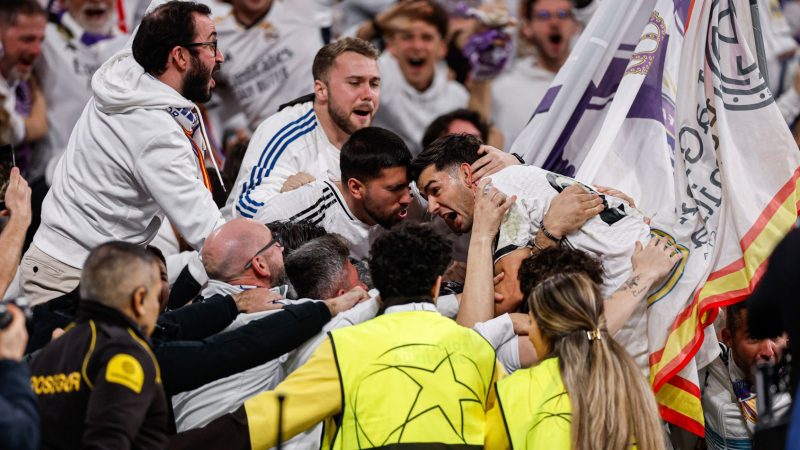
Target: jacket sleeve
(187, 365)
(199, 320)
(269, 162)
(19, 416)
(167, 168)
(312, 393)
(124, 386)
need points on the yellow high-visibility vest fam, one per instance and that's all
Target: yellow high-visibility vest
(536, 407)
(411, 377)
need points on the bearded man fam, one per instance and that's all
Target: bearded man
(136, 154)
(301, 142)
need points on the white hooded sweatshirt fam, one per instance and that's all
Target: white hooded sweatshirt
(128, 163)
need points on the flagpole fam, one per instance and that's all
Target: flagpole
(759, 38)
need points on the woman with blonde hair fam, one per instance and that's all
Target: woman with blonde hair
(586, 393)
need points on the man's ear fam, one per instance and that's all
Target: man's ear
(527, 29)
(356, 188)
(465, 174)
(726, 336)
(435, 289)
(137, 301)
(441, 52)
(179, 56)
(320, 91)
(260, 267)
(389, 41)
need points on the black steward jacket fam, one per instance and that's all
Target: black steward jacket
(99, 385)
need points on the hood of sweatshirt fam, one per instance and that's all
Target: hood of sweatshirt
(121, 85)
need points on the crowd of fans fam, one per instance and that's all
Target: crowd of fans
(271, 223)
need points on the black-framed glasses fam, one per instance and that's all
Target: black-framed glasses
(210, 44)
(274, 241)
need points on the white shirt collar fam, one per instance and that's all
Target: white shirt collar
(420, 306)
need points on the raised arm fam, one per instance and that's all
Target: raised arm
(18, 208)
(477, 300)
(651, 263)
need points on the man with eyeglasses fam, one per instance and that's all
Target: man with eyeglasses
(243, 255)
(549, 27)
(137, 155)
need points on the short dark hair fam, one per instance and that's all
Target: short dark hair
(439, 126)
(445, 152)
(10, 9)
(155, 251)
(166, 27)
(527, 8)
(294, 234)
(317, 268)
(437, 17)
(370, 150)
(733, 317)
(548, 262)
(405, 261)
(326, 56)
(113, 270)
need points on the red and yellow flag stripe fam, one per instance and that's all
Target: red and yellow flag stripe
(679, 400)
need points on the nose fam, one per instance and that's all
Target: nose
(433, 205)
(417, 42)
(368, 92)
(220, 58)
(767, 349)
(37, 48)
(406, 198)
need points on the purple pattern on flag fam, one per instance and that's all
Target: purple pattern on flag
(682, 9)
(547, 100)
(555, 161)
(647, 104)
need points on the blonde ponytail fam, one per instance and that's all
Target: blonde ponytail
(613, 406)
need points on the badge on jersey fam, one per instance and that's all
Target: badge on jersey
(125, 370)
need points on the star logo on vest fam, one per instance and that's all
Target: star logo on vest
(432, 395)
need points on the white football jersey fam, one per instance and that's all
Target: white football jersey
(516, 93)
(289, 142)
(610, 236)
(65, 71)
(268, 63)
(321, 203)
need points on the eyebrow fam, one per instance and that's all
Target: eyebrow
(212, 35)
(425, 188)
(361, 77)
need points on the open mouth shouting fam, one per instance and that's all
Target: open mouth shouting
(416, 62)
(452, 219)
(363, 113)
(95, 12)
(402, 213)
